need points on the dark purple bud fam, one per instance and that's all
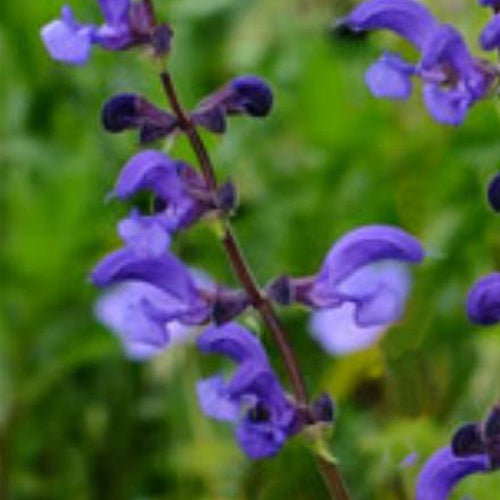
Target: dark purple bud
(131, 111)
(280, 291)
(228, 305)
(255, 95)
(467, 441)
(226, 197)
(483, 300)
(323, 409)
(212, 118)
(162, 39)
(494, 193)
(151, 132)
(120, 112)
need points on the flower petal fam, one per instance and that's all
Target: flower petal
(338, 333)
(379, 292)
(408, 18)
(122, 311)
(446, 52)
(67, 41)
(490, 36)
(389, 77)
(151, 170)
(144, 235)
(260, 441)
(115, 11)
(446, 45)
(166, 273)
(447, 106)
(234, 341)
(367, 245)
(443, 471)
(483, 300)
(215, 401)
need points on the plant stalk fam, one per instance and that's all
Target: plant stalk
(260, 302)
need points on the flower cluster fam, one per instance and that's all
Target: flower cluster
(153, 299)
(453, 79)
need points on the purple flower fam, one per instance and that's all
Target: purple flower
(153, 294)
(475, 448)
(131, 111)
(453, 79)
(243, 95)
(126, 311)
(351, 326)
(252, 399)
(443, 471)
(483, 300)
(180, 194)
(125, 24)
(360, 289)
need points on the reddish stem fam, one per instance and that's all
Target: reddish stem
(260, 302)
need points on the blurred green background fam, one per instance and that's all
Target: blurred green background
(77, 420)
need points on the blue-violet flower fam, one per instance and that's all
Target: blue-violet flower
(475, 448)
(180, 194)
(360, 289)
(154, 292)
(453, 79)
(125, 24)
(252, 399)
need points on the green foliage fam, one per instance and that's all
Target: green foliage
(76, 419)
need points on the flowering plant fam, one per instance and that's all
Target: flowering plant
(358, 291)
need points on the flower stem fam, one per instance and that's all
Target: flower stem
(260, 302)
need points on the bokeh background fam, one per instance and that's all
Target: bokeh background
(79, 421)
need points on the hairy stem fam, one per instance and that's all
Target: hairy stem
(260, 302)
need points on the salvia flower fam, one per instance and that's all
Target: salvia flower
(341, 330)
(153, 291)
(453, 79)
(131, 111)
(443, 471)
(125, 310)
(125, 24)
(180, 194)
(252, 399)
(483, 300)
(248, 95)
(475, 448)
(360, 289)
